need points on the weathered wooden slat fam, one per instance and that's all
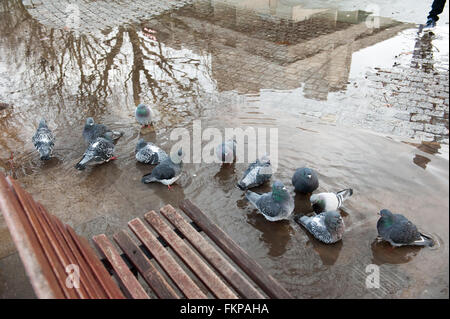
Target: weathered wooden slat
(239, 282)
(192, 260)
(36, 264)
(107, 283)
(147, 270)
(61, 251)
(123, 274)
(44, 240)
(267, 283)
(87, 277)
(166, 261)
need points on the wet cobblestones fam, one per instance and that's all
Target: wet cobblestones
(420, 97)
(97, 15)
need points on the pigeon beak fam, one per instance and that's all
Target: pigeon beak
(309, 175)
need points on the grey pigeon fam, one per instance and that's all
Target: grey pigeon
(399, 231)
(93, 130)
(143, 115)
(305, 180)
(328, 227)
(275, 205)
(328, 202)
(168, 171)
(256, 174)
(149, 153)
(101, 150)
(44, 141)
(226, 152)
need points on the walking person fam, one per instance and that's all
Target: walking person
(436, 9)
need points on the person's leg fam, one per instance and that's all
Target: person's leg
(436, 9)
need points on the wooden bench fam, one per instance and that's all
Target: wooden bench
(163, 255)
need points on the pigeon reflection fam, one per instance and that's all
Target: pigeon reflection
(276, 235)
(384, 253)
(328, 253)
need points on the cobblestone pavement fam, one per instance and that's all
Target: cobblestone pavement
(87, 15)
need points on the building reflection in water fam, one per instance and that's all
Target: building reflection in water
(200, 51)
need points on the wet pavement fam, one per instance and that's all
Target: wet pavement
(365, 107)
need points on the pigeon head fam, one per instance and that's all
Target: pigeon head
(177, 156)
(42, 123)
(318, 203)
(264, 159)
(142, 110)
(333, 220)
(279, 191)
(90, 121)
(45, 152)
(140, 144)
(307, 173)
(387, 218)
(305, 180)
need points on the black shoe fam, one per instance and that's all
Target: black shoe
(431, 23)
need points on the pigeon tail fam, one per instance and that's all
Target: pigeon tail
(344, 194)
(241, 185)
(425, 240)
(252, 197)
(117, 134)
(82, 164)
(302, 220)
(148, 178)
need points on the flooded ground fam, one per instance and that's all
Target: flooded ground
(367, 108)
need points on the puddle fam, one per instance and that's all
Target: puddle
(301, 69)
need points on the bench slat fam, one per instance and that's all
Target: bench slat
(36, 264)
(124, 275)
(110, 287)
(167, 262)
(267, 283)
(147, 270)
(239, 282)
(61, 251)
(90, 281)
(44, 240)
(194, 262)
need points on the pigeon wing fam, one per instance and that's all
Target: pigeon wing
(163, 171)
(403, 231)
(268, 206)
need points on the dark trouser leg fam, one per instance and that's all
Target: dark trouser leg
(436, 9)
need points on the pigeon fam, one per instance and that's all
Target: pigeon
(328, 227)
(305, 180)
(275, 205)
(167, 171)
(256, 174)
(143, 115)
(327, 202)
(149, 153)
(44, 141)
(226, 152)
(99, 151)
(93, 130)
(399, 231)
